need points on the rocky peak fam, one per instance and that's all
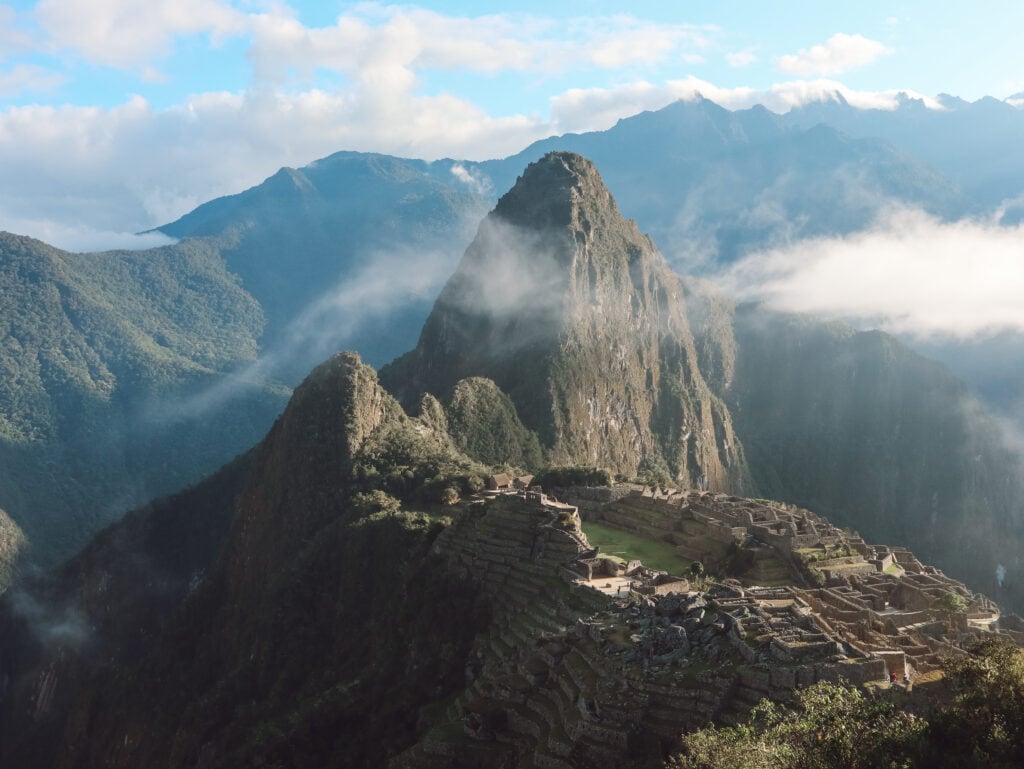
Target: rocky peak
(304, 465)
(553, 192)
(574, 314)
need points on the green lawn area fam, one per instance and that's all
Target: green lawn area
(657, 555)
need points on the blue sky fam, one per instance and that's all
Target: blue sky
(930, 48)
(118, 115)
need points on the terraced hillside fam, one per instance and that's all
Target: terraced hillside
(568, 675)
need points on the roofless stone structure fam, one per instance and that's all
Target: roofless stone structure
(571, 673)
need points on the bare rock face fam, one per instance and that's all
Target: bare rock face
(12, 544)
(570, 310)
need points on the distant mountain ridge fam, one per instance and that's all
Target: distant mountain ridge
(96, 351)
(707, 183)
(710, 185)
(128, 374)
(977, 144)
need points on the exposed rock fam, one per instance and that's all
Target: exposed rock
(575, 314)
(12, 545)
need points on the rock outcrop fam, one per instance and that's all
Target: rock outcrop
(12, 544)
(570, 310)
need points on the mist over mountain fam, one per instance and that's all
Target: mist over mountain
(573, 313)
(336, 597)
(130, 374)
(334, 227)
(97, 350)
(351, 251)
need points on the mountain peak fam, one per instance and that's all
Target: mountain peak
(574, 314)
(549, 191)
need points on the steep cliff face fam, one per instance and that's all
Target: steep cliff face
(12, 543)
(575, 314)
(858, 426)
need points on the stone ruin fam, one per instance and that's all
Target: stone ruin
(590, 658)
(833, 597)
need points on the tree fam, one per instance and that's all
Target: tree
(984, 725)
(949, 605)
(832, 725)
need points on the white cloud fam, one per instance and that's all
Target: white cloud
(400, 40)
(840, 53)
(83, 174)
(133, 167)
(127, 33)
(13, 38)
(82, 238)
(742, 58)
(389, 281)
(471, 179)
(26, 78)
(911, 274)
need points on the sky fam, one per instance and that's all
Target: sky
(118, 115)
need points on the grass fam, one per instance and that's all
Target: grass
(661, 556)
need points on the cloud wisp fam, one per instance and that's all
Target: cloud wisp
(123, 33)
(911, 274)
(398, 41)
(840, 53)
(65, 626)
(389, 282)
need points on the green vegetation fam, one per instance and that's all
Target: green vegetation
(654, 554)
(949, 604)
(101, 356)
(484, 424)
(579, 475)
(401, 461)
(984, 725)
(833, 725)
